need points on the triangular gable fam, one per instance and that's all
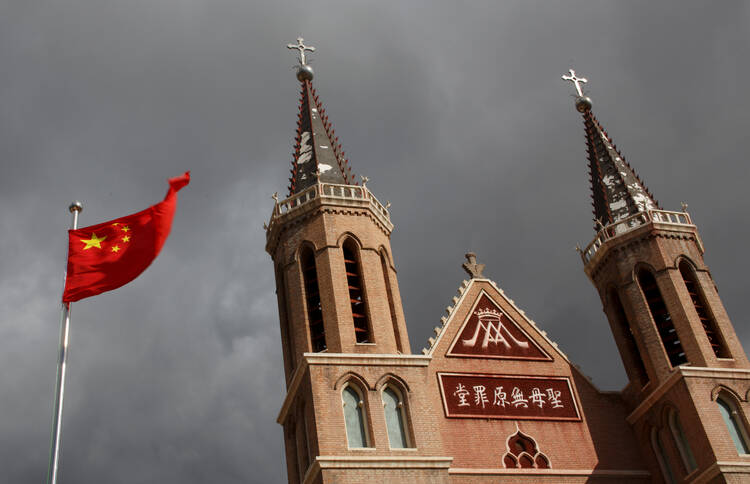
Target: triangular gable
(490, 332)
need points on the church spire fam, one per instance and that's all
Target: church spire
(616, 190)
(317, 153)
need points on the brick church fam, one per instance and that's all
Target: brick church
(493, 399)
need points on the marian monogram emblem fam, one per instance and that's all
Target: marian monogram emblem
(490, 323)
(489, 332)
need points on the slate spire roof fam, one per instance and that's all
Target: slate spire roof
(616, 190)
(317, 151)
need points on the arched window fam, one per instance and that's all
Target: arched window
(626, 330)
(395, 418)
(354, 417)
(356, 293)
(701, 307)
(389, 292)
(662, 319)
(662, 457)
(734, 423)
(312, 297)
(682, 443)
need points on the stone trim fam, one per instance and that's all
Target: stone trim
(361, 359)
(374, 462)
(684, 372)
(382, 462)
(723, 467)
(615, 473)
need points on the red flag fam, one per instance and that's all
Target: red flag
(109, 255)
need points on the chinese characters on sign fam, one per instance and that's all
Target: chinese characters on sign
(496, 396)
(490, 333)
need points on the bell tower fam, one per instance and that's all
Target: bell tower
(336, 284)
(689, 377)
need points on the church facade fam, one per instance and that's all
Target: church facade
(493, 399)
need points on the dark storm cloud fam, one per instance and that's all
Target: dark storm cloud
(456, 113)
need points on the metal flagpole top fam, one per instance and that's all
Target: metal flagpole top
(76, 207)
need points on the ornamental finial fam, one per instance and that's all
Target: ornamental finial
(471, 266)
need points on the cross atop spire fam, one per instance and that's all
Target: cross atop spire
(301, 47)
(577, 81)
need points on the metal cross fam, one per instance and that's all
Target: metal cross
(301, 48)
(471, 266)
(575, 80)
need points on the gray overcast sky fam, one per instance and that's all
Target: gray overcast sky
(455, 111)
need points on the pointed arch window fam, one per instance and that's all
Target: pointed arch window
(312, 300)
(626, 330)
(391, 304)
(354, 417)
(662, 318)
(734, 423)
(701, 307)
(395, 418)
(686, 453)
(356, 292)
(662, 457)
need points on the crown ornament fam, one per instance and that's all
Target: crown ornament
(488, 313)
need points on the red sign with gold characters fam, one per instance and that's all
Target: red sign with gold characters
(489, 332)
(469, 395)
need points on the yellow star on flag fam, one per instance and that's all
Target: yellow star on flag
(126, 238)
(125, 228)
(116, 248)
(94, 241)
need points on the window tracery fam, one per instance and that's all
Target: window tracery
(523, 453)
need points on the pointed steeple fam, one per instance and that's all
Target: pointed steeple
(616, 190)
(317, 152)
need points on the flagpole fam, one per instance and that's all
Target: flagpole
(54, 453)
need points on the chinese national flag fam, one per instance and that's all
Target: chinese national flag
(109, 255)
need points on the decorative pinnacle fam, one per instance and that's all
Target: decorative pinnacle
(471, 266)
(577, 81)
(301, 48)
(76, 207)
(275, 197)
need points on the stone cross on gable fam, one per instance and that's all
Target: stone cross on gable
(471, 266)
(301, 48)
(577, 81)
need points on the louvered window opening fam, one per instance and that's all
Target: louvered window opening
(312, 296)
(356, 295)
(627, 331)
(708, 322)
(662, 318)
